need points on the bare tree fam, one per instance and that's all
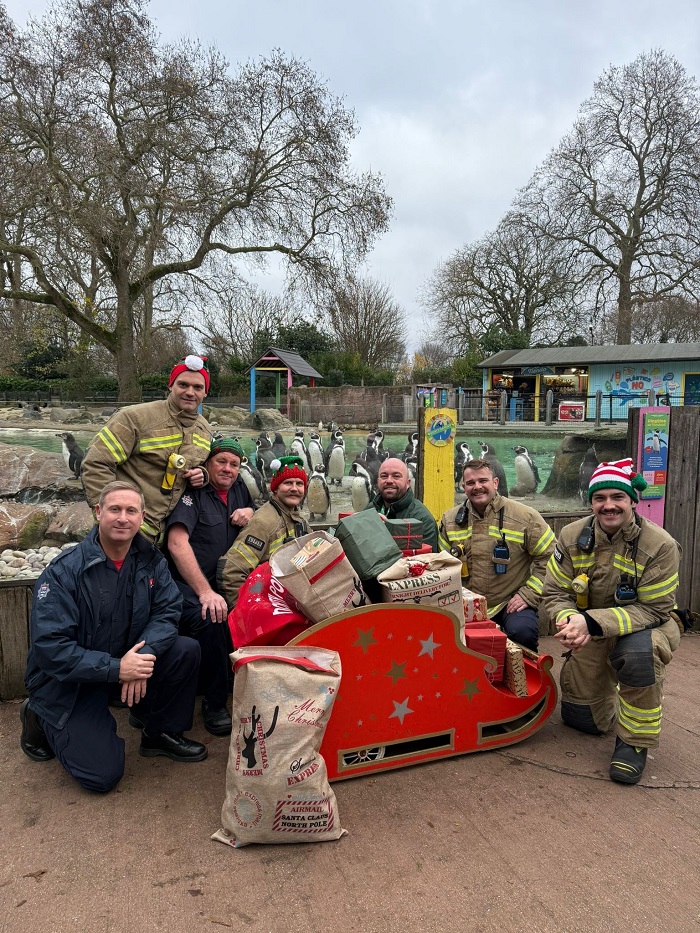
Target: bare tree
(367, 321)
(239, 320)
(674, 319)
(127, 163)
(513, 281)
(622, 189)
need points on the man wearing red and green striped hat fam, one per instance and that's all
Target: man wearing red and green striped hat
(610, 588)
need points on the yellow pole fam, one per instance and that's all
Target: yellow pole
(437, 428)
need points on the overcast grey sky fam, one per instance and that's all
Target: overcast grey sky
(457, 100)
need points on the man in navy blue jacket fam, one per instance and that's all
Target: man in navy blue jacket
(104, 625)
(201, 528)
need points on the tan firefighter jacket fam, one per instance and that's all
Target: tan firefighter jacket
(653, 569)
(135, 445)
(530, 541)
(273, 525)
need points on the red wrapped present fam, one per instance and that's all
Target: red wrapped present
(474, 606)
(424, 549)
(487, 638)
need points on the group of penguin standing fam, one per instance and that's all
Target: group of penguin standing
(326, 465)
(527, 477)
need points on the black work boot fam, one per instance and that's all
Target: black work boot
(627, 764)
(216, 720)
(173, 745)
(33, 741)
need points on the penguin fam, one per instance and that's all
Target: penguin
(361, 486)
(462, 456)
(585, 471)
(370, 466)
(527, 477)
(412, 464)
(264, 456)
(278, 446)
(315, 450)
(489, 454)
(255, 484)
(297, 448)
(73, 453)
(335, 459)
(384, 453)
(318, 498)
(411, 449)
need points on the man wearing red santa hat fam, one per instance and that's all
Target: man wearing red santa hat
(158, 446)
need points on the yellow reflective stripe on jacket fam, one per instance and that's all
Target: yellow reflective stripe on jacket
(454, 537)
(563, 614)
(202, 442)
(248, 555)
(543, 543)
(626, 565)
(113, 445)
(624, 622)
(535, 584)
(278, 542)
(582, 562)
(517, 537)
(653, 590)
(157, 443)
(640, 721)
(559, 574)
(149, 529)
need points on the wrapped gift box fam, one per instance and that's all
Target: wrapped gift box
(367, 543)
(407, 532)
(514, 672)
(487, 638)
(474, 606)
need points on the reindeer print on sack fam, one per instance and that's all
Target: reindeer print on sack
(256, 736)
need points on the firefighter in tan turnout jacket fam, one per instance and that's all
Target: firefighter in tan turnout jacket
(504, 547)
(610, 589)
(278, 522)
(157, 446)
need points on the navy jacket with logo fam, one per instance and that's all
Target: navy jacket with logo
(66, 613)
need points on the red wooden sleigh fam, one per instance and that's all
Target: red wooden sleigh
(412, 692)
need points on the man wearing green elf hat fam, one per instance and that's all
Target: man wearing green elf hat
(276, 523)
(203, 526)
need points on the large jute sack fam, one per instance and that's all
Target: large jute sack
(323, 585)
(427, 579)
(277, 786)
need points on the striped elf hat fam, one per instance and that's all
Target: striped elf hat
(617, 475)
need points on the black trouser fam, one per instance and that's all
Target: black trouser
(213, 639)
(520, 626)
(88, 746)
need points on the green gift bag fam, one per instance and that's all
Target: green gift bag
(367, 543)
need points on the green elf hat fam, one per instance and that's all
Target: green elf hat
(227, 445)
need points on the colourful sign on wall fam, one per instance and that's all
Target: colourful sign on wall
(655, 454)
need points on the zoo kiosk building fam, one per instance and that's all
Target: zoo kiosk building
(623, 373)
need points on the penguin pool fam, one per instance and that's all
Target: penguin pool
(541, 449)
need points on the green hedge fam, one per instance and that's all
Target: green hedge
(19, 384)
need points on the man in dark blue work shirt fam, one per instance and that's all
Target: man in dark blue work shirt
(201, 528)
(105, 614)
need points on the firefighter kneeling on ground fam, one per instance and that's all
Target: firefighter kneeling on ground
(610, 588)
